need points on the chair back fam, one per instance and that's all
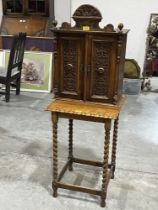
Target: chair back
(16, 54)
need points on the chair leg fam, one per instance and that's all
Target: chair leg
(18, 86)
(7, 95)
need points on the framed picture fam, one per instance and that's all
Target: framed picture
(36, 71)
(2, 58)
(153, 17)
(153, 25)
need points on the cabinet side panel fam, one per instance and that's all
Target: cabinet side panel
(121, 61)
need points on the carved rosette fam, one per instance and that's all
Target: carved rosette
(87, 10)
(69, 59)
(87, 15)
(101, 65)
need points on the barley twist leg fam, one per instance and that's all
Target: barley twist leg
(105, 162)
(114, 146)
(70, 157)
(55, 153)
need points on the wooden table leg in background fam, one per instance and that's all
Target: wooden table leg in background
(114, 146)
(105, 162)
(55, 153)
(70, 157)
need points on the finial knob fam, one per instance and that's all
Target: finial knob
(120, 26)
(54, 23)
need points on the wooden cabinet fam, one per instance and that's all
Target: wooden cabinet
(30, 16)
(32, 26)
(26, 7)
(90, 60)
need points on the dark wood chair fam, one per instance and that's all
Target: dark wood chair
(12, 73)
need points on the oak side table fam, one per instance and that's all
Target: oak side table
(88, 111)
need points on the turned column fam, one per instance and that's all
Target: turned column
(70, 157)
(105, 162)
(114, 146)
(55, 153)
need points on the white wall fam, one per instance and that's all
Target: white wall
(134, 14)
(62, 11)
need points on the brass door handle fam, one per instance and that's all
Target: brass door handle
(69, 66)
(100, 70)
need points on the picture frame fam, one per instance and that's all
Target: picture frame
(36, 71)
(2, 58)
(152, 16)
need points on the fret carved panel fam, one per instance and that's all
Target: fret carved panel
(69, 65)
(101, 64)
(87, 11)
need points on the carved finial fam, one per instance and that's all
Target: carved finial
(54, 23)
(120, 27)
(66, 25)
(109, 28)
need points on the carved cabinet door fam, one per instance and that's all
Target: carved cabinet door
(71, 54)
(101, 68)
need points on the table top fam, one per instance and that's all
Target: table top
(79, 109)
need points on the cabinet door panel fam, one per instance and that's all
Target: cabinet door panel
(101, 69)
(71, 64)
